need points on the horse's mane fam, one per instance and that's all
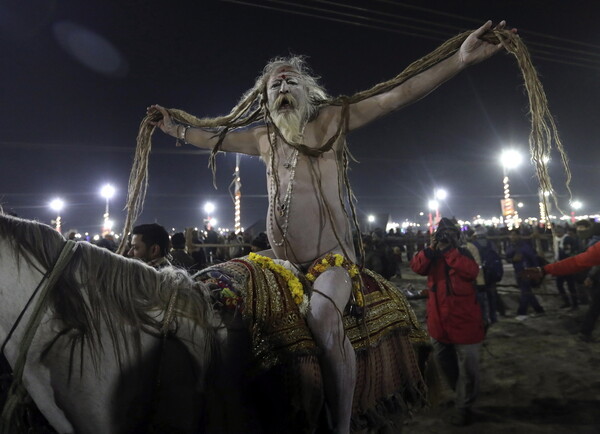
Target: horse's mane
(101, 289)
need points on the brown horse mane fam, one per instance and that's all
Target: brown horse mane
(100, 290)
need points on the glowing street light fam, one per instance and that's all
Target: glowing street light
(576, 205)
(57, 206)
(510, 159)
(209, 208)
(107, 192)
(433, 205)
(441, 194)
(371, 220)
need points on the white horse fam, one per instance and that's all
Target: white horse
(98, 362)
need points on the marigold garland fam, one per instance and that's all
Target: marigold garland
(293, 283)
(337, 260)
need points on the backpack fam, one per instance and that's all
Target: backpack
(491, 263)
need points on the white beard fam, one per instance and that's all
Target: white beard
(290, 124)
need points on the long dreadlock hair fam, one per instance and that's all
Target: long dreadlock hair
(253, 108)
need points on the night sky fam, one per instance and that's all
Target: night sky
(77, 76)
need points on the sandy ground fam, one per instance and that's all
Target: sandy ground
(537, 376)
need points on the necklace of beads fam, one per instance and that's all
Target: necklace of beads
(283, 206)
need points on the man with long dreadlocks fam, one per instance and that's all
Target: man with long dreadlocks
(300, 134)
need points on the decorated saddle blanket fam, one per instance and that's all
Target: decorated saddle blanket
(391, 345)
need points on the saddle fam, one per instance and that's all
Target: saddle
(391, 346)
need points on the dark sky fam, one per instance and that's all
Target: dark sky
(77, 76)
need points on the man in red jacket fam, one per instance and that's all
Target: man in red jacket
(590, 259)
(454, 317)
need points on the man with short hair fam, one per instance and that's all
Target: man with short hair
(150, 243)
(287, 122)
(179, 255)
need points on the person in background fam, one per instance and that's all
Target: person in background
(179, 254)
(521, 255)
(492, 272)
(454, 318)
(150, 244)
(260, 243)
(589, 262)
(565, 246)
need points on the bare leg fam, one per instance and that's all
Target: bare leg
(338, 362)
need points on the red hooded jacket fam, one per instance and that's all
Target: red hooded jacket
(453, 314)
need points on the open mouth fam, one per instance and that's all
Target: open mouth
(285, 103)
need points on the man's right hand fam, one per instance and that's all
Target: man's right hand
(166, 124)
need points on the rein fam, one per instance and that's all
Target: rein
(17, 391)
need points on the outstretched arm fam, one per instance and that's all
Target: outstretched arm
(472, 51)
(243, 141)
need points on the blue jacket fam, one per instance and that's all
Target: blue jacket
(521, 255)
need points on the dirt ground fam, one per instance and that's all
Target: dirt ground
(537, 376)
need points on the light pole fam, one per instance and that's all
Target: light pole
(510, 159)
(543, 199)
(209, 208)
(544, 211)
(107, 192)
(433, 206)
(57, 205)
(576, 205)
(371, 220)
(439, 194)
(237, 181)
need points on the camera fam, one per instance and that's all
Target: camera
(445, 236)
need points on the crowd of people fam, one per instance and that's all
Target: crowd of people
(462, 270)
(524, 248)
(463, 265)
(192, 249)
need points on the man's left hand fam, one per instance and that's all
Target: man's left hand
(475, 49)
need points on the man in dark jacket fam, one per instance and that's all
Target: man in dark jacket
(180, 257)
(565, 246)
(521, 254)
(454, 318)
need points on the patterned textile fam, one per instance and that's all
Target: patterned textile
(390, 344)
(277, 329)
